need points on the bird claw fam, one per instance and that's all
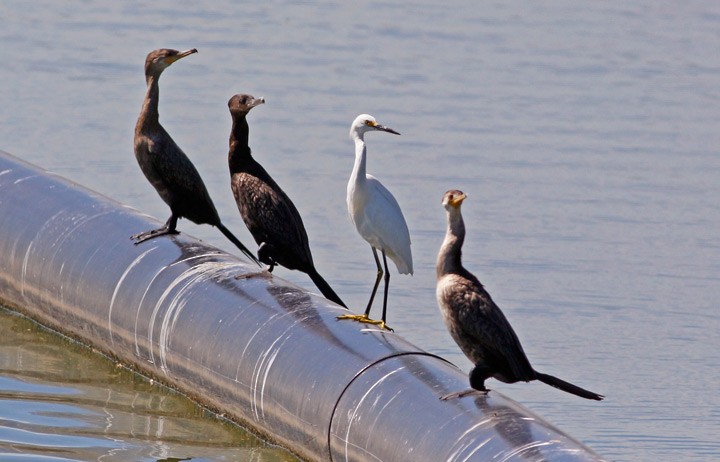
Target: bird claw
(147, 235)
(464, 393)
(366, 320)
(264, 273)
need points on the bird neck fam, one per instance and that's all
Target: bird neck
(149, 114)
(239, 139)
(450, 256)
(359, 169)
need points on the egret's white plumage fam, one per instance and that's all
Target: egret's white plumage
(375, 212)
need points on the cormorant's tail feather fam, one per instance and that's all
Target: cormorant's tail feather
(568, 387)
(237, 243)
(325, 288)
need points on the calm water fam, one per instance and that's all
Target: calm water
(59, 401)
(585, 135)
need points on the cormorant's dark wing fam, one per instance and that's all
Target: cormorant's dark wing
(178, 182)
(271, 216)
(484, 323)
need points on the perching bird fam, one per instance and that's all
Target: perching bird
(267, 211)
(166, 166)
(476, 323)
(377, 216)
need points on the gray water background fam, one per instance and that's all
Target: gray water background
(585, 134)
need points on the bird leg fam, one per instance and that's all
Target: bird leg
(377, 283)
(478, 375)
(168, 228)
(365, 318)
(264, 253)
(387, 285)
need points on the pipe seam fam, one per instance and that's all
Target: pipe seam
(361, 372)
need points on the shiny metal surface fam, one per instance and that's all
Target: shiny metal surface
(235, 338)
(392, 412)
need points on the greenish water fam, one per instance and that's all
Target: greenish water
(61, 401)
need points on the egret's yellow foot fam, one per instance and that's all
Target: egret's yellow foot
(364, 319)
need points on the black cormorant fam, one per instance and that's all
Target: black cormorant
(166, 166)
(377, 216)
(476, 323)
(267, 211)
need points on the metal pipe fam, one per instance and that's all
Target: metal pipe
(250, 345)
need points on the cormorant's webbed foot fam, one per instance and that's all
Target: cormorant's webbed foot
(365, 319)
(263, 273)
(153, 233)
(462, 394)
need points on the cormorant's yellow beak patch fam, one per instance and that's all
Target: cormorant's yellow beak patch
(457, 200)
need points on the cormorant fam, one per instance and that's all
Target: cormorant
(267, 211)
(476, 323)
(376, 216)
(166, 166)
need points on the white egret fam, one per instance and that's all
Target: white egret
(377, 217)
(476, 323)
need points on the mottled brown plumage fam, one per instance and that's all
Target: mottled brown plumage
(474, 320)
(268, 213)
(166, 166)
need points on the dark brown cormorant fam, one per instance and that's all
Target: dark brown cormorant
(476, 323)
(267, 211)
(376, 216)
(166, 166)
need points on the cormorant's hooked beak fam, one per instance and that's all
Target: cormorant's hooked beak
(377, 126)
(456, 201)
(181, 55)
(256, 102)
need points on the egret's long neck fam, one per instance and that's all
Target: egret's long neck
(359, 169)
(450, 255)
(239, 139)
(149, 115)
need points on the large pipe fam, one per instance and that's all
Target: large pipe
(250, 345)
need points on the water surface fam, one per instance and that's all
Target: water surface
(585, 135)
(61, 401)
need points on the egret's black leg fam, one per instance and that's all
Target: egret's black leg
(387, 286)
(377, 283)
(366, 317)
